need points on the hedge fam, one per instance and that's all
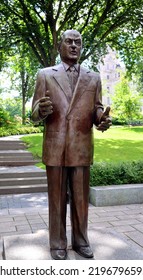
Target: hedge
(18, 130)
(103, 174)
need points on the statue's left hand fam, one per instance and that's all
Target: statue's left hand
(105, 121)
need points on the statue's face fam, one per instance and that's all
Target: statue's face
(70, 47)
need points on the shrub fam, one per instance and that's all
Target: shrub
(18, 130)
(116, 174)
(5, 118)
(118, 121)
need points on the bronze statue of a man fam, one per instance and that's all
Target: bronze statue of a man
(68, 99)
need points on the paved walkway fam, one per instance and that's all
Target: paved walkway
(28, 213)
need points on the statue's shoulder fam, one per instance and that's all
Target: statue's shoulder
(46, 69)
(91, 72)
(50, 69)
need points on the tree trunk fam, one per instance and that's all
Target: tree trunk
(23, 96)
(23, 107)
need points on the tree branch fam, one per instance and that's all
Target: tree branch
(59, 10)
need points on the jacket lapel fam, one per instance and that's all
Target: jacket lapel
(62, 79)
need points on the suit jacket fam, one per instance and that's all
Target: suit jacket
(67, 139)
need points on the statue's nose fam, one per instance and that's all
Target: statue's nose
(73, 44)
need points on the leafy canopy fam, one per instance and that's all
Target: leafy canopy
(118, 23)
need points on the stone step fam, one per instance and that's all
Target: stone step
(23, 174)
(23, 189)
(10, 143)
(18, 163)
(14, 153)
(22, 181)
(106, 245)
(6, 141)
(12, 146)
(16, 158)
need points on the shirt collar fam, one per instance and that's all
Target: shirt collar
(66, 66)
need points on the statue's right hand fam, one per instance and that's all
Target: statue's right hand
(45, 106)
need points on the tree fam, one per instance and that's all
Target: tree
(137, 75)
(22, 70)
(26, 67)
(12, 106)
(125, 102)
(117, 23)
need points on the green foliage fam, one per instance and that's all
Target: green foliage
(39, 24)
(5, 118)
(126, 102)
(137, 77)
(22, 68)
(131, 48)
(31, 29)
(103, 174)
(18, 130)
(12, 106)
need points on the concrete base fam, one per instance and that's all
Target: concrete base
(116, 195)
(106, 245)
(1, 249)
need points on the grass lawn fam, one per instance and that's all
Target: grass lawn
(115, 145)
(118, 144)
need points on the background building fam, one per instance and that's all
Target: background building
(110, 70)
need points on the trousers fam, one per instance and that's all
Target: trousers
(77, 180)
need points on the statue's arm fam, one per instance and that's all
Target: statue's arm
(41, 105)
(102, 119)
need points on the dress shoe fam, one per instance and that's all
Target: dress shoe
(84, 251)
(58, 254)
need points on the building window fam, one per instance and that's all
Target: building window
(108, 89)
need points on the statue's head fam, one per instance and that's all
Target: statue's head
(70, 46)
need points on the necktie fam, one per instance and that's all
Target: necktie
(73, 76)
